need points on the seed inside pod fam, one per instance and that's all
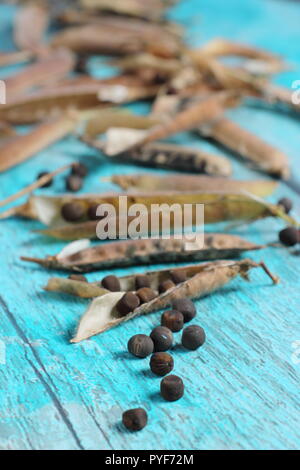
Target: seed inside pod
(142, 281)
(178, 276)
(78, 277)
(72, 211)
(74, 183)
(92, 212)
(128, 303)
(186, 307)
(171, 388)
(79, 169)
(140, 346)
(111, 283)
(193, 337)
(173, 320)
(135, 419)
(289, 236)
(286, 203)
(145, 294)
(165, 285)
(45, 173)
(162, 338)
(161, 363)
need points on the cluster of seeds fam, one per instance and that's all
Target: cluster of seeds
(159, 341)
(77, 212)
(74, 181)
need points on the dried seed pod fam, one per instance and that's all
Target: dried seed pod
(178, 276)
(161, 363)
(140, 346)
(172, 388)
(45, 173)
(289, 236)
(111, 283)
(172, 319)
(74, 183)
(165, 285)
(128, 303)
(72, 211)
(78, 277)
(193, 337)
(186, 307)
(146, 294)
(162, 338)
(135, 419)
(79, 169)
(142, 281)
(286, 203)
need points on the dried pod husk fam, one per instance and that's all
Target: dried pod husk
(174, 157)
(22, 147)
(171, 182)
(137, 252)
(52, 67)
(247, 145)
(30, 25)
(202, 280)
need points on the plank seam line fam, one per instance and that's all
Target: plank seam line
(48, 388)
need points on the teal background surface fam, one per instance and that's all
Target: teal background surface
(242, 387)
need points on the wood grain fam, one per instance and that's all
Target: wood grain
(242, 387)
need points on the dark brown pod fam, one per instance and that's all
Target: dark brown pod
(286, 203)
(178, 276)
(74, 183)
(161, 363)
(289, 236)
(78, 277)
(72, 211)
(173, 320)
(135, 419)
(142, 281)
(49, 183)
(186, 307)
(145, 294)
(193, 337)
(162, 338)
(140, 346)
(79, 169)
(111, 283)
(128, 303)
(165, 285)
(171, 388)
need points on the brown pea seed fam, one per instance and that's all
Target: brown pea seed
(128, 303)
(178, 276)
(74, 183)
(72, 211)
(166, 285)
(145, 294)
(193, 337)
(79, 169)
(140, 346)
(172, 388)
(173, 320)
(135, 419)
(142, 281)
(186, 307)
(161, 363)
(111, 283)
(162, 338)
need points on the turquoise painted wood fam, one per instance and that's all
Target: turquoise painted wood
(242, 387)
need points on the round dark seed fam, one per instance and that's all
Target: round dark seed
(78, 277)
(140, 346)
(178, 276)
(127, 303)
(72, 211)
(74, 183)
(161, 363)
(111, 283)
(135, 419)
(193, 337)
(286, 203)
(173, 320)
(162, 338)
(79, 169)
(186, 307)
(142, 281)
(165, 285)
(92, 212)
(45, 173)
(171, 388)
(289, 236)
(145, 294)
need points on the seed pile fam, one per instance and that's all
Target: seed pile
(159, 341)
